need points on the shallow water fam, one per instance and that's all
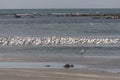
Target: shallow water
(55, 51)
(51, 65)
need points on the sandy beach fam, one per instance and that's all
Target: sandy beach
(55, 74)
(61, 74)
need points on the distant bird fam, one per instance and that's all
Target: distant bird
(81, 52)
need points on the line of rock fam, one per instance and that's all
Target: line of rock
(92, 15)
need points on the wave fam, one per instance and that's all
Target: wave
(57, 41)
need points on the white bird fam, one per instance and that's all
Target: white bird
(81, 52)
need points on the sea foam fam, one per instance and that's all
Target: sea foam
(56, 41)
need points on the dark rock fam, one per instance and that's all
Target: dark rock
(47, 65)
(67, 66)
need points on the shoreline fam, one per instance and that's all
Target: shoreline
(109, 65)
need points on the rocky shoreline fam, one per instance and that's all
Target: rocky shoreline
(93, 16)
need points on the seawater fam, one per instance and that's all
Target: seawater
(48, 26)
(47, 11)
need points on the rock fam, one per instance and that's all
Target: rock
(68, 66)
(47, 65)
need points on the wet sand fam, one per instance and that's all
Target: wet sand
(61, 74)
(55, 74)
(86, 60)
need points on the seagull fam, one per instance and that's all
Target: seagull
(81, 52)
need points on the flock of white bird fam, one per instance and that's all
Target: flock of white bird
(67, 41)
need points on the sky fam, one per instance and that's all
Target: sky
(42, 4)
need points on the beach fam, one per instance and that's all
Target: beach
(55, 74)
(60, 73)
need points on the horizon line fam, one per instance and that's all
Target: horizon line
(59, 8)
